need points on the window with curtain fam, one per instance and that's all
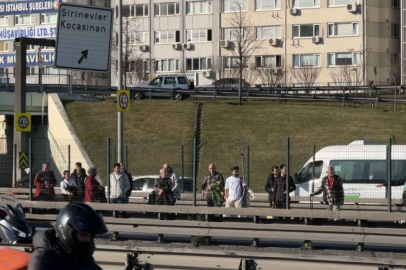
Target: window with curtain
(267, 4)
(302, 60)
(199, 7)
(332, 3)
(163, 65)
(199, 35)
(268, 61)
(306, 3)
(343, 29)
(233, 33)
(235, 5)
(306, 30)
(267, 32)
(343, 59)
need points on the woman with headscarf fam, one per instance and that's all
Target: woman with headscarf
(92, 186)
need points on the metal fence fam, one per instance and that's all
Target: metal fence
(362, 166)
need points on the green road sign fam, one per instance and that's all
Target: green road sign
(23, 160)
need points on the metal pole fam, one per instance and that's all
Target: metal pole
(69, 157)
(287, 171)
(30, 166)
(248, 165)
(70, 82)
(39, 69)
(7, 79)
(120, 118)
(389, 173)
(15, 158)
(182, 168)
(126, 156)
(115, 154)
(194, 171)
(107, 170)
(313, 174)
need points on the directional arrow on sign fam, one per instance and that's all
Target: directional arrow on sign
(23, 160)
(84, 55)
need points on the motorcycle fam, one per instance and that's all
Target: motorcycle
(13, 226)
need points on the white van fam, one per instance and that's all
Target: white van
(360, 165)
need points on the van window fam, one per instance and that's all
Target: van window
(306, 174)
(367, 171)
(170, 80)
(182, 80)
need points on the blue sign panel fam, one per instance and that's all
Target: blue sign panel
(28, 7)
(9, 59)
(48, 31)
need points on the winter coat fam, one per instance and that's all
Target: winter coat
(80, 181)
(167, 197)
(39, 181)
(50, 255)
(175, 183)
(279, 194)
(270, 183)
(119, 185)
(336, 191)
(92, 189)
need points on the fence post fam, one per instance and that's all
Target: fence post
(194, 171)
(7, 79)
(287, 169)
(30, 166)
(248, 165)
(107, 170)
(69, 158)
(182, 169)
(15, 158)
(115, 154)
(389, 173)
(126, 157)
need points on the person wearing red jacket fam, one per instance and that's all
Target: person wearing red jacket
(92, 186)
(44, 182)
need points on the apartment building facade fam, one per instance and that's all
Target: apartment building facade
(38, 19)
(194, 36)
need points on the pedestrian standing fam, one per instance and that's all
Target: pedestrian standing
(68, 187)
(44, 182)
(270, 184)
(333, 191)
(213, 185)
(171, 174)
(119, 186)
(94, 192)
(80, 179)
(130, 180)
(235, 189)
(280, 192)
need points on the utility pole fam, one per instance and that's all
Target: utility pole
(120, 122)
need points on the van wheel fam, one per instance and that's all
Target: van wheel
(136, 95)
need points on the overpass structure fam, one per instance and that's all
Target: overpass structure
(36, 103)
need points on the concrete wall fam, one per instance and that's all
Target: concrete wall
(62, 134)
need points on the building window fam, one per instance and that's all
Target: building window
(338, 3)
(139, 11)
(396, 3)
(198, 63)
(306, 3)
(30, 71)
(306, 30)
(199, 7)
(29, 47)
(24, 19)
(3, 46)
(343, 59)
(3, 20)
(49, 18)
(267, 32)
(49, 70)
(342, 29)
(165, 9)
(199, 35)
(46, 48)
(139, 38)
(235, 5)
(396, 30)
(234, 34)
(164, 37)
(163, 65)
(268, 61)
(232, 62)
(267, 4)
(303, 60)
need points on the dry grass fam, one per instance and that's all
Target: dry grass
(153, 131)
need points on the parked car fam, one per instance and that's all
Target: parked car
(230, 84)
(165, 86)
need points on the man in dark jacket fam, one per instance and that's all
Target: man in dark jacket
(270, 184)
(70, 245)
(213, 195)
(333, 191)
(163, 186)
(80, 179)
(280, 193)
(130, 180)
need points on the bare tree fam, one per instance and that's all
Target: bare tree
(222, 74)
(395, 72)
(271, 77)
(243, 34)
(131, 54)
(349, 75)
(306, 75)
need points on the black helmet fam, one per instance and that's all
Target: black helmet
(78, 217)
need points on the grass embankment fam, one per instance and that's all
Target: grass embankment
(155, 130)
(264, 126)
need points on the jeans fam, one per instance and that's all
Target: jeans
(117, 200)
(210, 201)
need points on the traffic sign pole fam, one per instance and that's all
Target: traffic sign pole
(120, 116)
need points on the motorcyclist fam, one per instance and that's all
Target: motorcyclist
(70, 245)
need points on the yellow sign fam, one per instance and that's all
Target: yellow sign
(123, 100)
(23, 160)
(23, 122)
